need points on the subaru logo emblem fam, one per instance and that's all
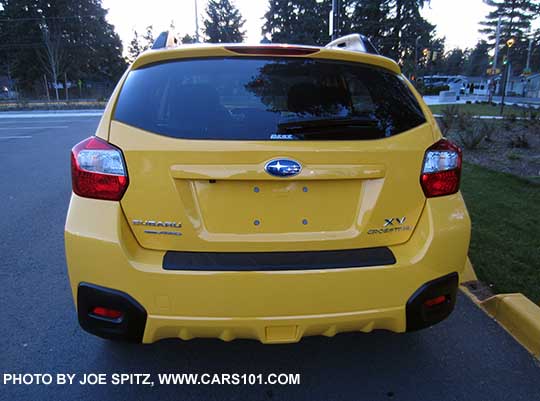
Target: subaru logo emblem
(283, 168)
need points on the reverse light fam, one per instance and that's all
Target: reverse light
(441, 171)
(107, 313)
(98, 170)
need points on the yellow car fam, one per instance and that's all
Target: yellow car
(268, 192)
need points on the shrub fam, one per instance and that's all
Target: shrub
(449, 117)
(471, 133)
(519, 141)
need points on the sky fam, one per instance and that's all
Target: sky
(457, 20)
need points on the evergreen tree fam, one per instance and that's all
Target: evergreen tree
(370, 17)
(223, 22)
(134, 48)
(148, 38)
(404, 26)
(478, 59)
(393, 25)
(298, 21)
(187, 39)
(453, 62)
(516, 18)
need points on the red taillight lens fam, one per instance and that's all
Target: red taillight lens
(107, 313)
(98, 170)
(441, 171)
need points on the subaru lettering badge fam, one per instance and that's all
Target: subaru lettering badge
(283, 168)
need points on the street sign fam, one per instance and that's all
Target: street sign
(493, 71)
(527, 71)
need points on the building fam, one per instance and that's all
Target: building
(532, 87)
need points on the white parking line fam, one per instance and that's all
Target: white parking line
(37, 121)
(39, 127)
(16, 137)
(11, 115)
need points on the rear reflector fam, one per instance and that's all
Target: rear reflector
(98, 170)
(441, 171)
(435, 301)
(273, 50)
(106, 312)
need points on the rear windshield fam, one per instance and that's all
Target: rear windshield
(267, 99)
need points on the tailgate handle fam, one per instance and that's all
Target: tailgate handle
(256, 172)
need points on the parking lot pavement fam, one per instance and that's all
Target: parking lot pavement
(467, 357)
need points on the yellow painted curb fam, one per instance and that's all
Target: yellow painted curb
(517, 314)
(468, 273)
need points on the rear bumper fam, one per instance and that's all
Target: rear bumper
(136, 326)
(271, 306)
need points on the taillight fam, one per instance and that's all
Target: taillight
(441, 171)
(98, 170)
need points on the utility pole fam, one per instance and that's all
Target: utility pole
(335, 19)
(509, 43)
(196, 23)
(66, 84)
(416, 58)
(528, 66)
(497, 42)
(46, 88)
(495, 57)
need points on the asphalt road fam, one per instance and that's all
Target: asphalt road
(467, 357)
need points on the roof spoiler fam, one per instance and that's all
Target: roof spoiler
(355, 42)
(165, 40)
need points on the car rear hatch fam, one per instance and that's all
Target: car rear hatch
(239, 154)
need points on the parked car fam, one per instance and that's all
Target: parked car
(269, 192)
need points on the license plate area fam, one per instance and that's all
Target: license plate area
(229, 206)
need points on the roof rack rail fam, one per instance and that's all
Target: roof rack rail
(355, 42)
(165, 40)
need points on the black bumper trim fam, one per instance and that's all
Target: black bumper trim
(128, 328)
(277, 261)
(420, 316)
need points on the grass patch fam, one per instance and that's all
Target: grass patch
(481, 109)
(505, 243)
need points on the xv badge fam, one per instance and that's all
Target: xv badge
(390, 222)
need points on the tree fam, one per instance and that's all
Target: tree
(148, 38)
(135, 48)
(297, 21)
(52, 54)
(477, 61)
(69, 37)
(187, 39)
(405, 28)
(516, 18)
(453, 62)
(393, 25)
(370, 18)
(223, 22)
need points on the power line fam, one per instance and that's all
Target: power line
(9, 19)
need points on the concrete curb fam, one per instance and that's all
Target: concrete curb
(517, 314)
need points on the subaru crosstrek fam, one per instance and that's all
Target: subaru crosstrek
(267, 192)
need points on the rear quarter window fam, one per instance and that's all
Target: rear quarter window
(267, 98)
